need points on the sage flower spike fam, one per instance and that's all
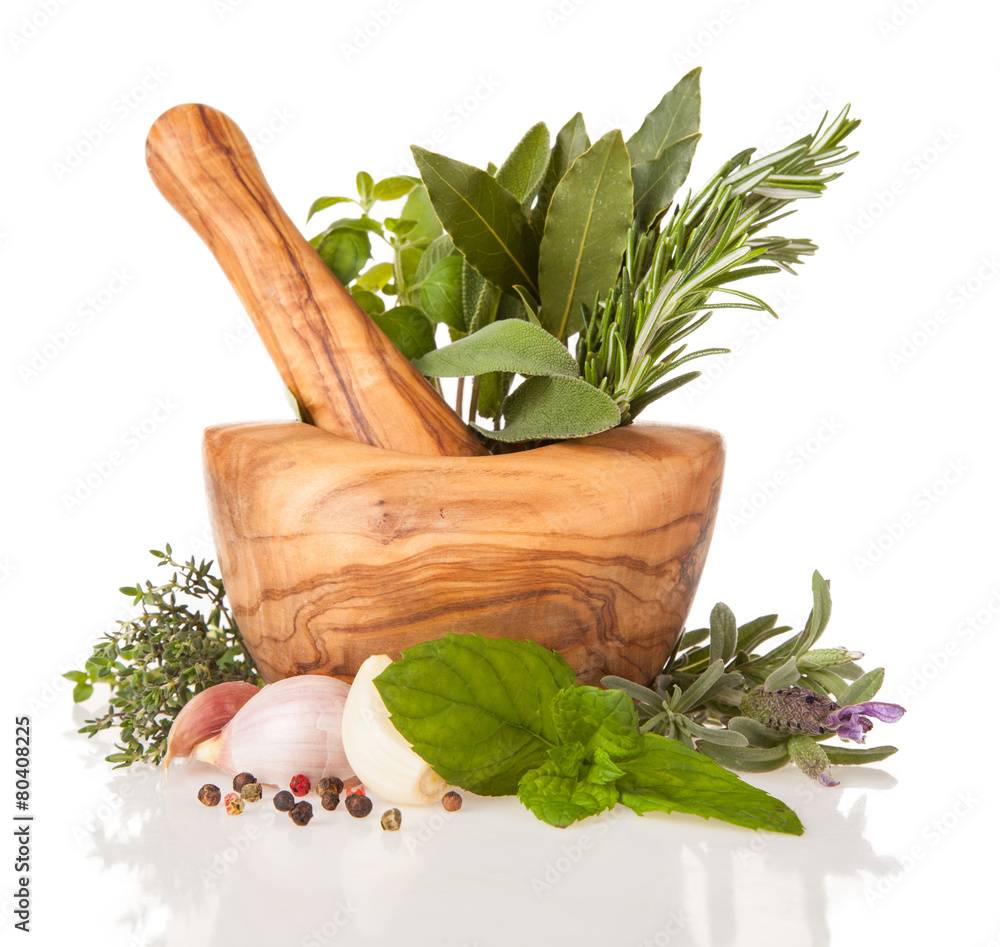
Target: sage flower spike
(797, 710)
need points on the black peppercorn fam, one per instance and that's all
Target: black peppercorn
(284, 801)
(391, 820)
(209, 795)
(251, 792)
(359, 806)
(329, 801)
(452, 801)
(301, 813)
(241, 779)
(330, 784)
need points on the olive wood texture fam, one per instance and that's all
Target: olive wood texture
(333, 358)
(332, 551)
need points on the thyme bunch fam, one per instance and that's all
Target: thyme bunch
(185, 641)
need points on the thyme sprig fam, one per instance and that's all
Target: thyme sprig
(185, 641)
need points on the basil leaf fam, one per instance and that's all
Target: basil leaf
(669, 777)
(485, 220)
(562, 800)
(476, 709)
(522, 172)
(554, 407)
(441, 292)
(345, 252)
(677, 116)
(408, 329)
(510, 345)
(586, 230)
(571, 142)
(655, 182)
(597, 719)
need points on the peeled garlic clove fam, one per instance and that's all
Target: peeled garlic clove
(288, 728)
(204, 716)
(378, 754)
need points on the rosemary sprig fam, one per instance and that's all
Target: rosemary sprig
(630, 343)
(155, 663)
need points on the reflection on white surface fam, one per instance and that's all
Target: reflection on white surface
(488, 874)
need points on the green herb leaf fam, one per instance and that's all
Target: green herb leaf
(864, 688)
(439, 248)
(322, 203)
(669, 777)
(676, 117)
(555, 407)
(390, 189)
(408, 329)
(510, 345)
(345, 251)
(562, 800)
(571, 142)
(522, 172)
(748, 759)
(597, 719)
(852, 755)
(784, 676)
(476, 709)
(486, 221)
(375, 277)
(418, 209)
(81, 692)
(655, 182)
(441, 292)
(586, 231)
(722, 627)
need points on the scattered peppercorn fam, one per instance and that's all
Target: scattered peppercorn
(301, 813)
(452, 801)
(329, 801)
(251, 792)
(209, 795)
(358, 805)
(391, 820)
(284, 801)
(299, 785)
(234, 803)
(358, 790)
(330, 784)
(241, 779)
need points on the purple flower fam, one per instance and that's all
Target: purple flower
(852, 722)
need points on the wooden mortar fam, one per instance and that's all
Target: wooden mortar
(332, 550)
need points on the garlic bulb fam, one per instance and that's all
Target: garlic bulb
(377, 752)
(204, 716)
(290, 727)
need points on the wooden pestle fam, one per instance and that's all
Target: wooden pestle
(334, 359)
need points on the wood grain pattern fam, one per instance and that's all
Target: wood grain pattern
(332, 551)
(329, 353)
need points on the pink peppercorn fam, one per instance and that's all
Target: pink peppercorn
(358, 790)
(299, 785)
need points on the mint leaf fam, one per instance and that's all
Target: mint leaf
(669, 777)
(562, 800)
(477, 709)
(598, 719)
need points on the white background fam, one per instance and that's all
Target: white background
(886, 347)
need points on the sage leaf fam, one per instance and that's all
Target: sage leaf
(655, 182)
(586, 230)
(571, 142)
(345, 252)
(408, 329)
(554, 407)
(493, 388)
(510, 345)
(476, 709)
(677, 116)
(486, 221)
(441, 293)
(669, 777)
(522, 172)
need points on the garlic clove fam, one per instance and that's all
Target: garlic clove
(204, 715)
(290, 727)
(378, 753)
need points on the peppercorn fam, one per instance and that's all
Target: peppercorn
(329, 801)
(299, 785)
(330, 784)
(251, 792)
(358, 805)
(284, 801)
(209, 795)
(241, 779)
(452, 801)
(234, 803)
(391, 820)
(301, 813)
